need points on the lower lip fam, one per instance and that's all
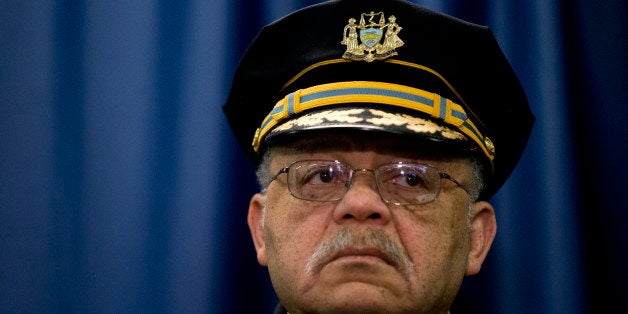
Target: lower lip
(360, 258)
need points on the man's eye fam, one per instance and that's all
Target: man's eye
(320, 176)
(412, 179)
(409, 180)
(326, 176)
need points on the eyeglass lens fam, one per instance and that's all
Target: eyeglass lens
(398, 183)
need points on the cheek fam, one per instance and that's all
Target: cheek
(437, 238)
(292, 230)
(439, 255)
(291, 234)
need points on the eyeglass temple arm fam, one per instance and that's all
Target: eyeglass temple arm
(448, 177)
(283, 170)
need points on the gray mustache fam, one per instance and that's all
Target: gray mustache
(372, 238)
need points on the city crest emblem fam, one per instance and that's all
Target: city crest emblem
(373, 38)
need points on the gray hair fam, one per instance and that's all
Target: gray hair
(263, 171)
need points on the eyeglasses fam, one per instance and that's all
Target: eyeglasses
(397, 183)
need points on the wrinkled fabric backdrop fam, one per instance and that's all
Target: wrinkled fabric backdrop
(122, 189)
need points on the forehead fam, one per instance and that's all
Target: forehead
(320, 142)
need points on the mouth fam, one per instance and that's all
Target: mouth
(371, 247)
(362, 254)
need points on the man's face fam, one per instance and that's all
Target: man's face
(387, 258)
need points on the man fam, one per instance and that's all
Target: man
(380, 130)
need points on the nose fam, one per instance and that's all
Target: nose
(362, 202)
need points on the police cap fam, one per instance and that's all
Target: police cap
(381, 65)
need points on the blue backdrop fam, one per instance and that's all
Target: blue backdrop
(122, 189)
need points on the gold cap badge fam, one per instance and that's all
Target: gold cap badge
(370, 40)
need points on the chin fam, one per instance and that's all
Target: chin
(358, 297)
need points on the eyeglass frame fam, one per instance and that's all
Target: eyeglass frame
(349, 183)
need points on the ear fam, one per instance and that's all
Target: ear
(255, 221)
(483, 229)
